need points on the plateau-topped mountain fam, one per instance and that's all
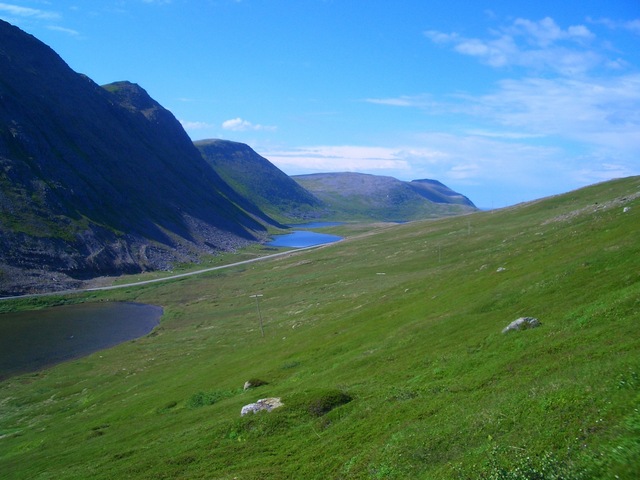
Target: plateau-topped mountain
(437, 192)
(99, 181)
(257, 179)
(363, 196)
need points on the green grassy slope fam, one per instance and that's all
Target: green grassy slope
(407, 322)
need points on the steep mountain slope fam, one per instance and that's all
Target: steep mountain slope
(98, 181)
(362, 196)
(260, 181)
(437, 192)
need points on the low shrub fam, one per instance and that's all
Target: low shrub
(323, 402)
(202, 399)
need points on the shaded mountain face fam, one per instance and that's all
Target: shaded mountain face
(99, 181)
(260, 181)
(437, 192)
(362, 196)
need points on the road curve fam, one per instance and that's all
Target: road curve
(164, 279)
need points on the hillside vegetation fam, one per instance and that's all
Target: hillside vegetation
(261, 182)
(386, 350)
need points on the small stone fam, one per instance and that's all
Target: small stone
(522, 323)
(253, 383)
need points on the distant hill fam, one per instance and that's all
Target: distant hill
(99, 181)
(257, 179)
(437, 192)
(363, 196)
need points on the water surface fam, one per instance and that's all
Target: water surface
(32, 340)
(303, 238)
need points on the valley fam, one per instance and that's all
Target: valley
(406, 321)
(385, 355)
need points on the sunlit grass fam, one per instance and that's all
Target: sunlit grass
(405, 322)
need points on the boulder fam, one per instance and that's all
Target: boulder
(522, 323)
(253, 383)
(267, 404)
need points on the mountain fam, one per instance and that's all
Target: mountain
(363, 196)
(257, 179)
(437, 192)
(99, 181)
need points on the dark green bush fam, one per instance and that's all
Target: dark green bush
(202, 399)
(324, 402)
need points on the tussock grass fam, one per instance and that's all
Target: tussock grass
(386, 350)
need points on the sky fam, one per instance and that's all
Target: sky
(504, 101)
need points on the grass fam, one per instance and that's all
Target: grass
(386, 350)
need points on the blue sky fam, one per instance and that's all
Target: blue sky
(504, 101)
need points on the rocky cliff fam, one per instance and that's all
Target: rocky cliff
(99, 181)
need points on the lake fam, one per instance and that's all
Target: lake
(32, 340)
(303, 238)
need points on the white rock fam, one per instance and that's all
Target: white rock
(267, 404)
(522, 323)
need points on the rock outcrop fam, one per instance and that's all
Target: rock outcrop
(264, 404)
(522, 323)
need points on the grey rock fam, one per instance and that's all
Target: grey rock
(522, 323)
(264, 404)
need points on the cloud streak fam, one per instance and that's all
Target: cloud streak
(68, 31)
(27, 12)
(190, 125)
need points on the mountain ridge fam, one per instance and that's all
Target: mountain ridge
(353, 195)
(99, 181)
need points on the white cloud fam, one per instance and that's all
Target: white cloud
(546, 31)
(572, 119)
(19, 11)
(421, 101)
(349, 158)
(597, 112)
(189, 125)
(594, 112)
(540, 45)
(240, 125)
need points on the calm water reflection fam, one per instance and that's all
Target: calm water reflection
(32, 340)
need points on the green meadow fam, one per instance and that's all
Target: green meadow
(387, 351)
